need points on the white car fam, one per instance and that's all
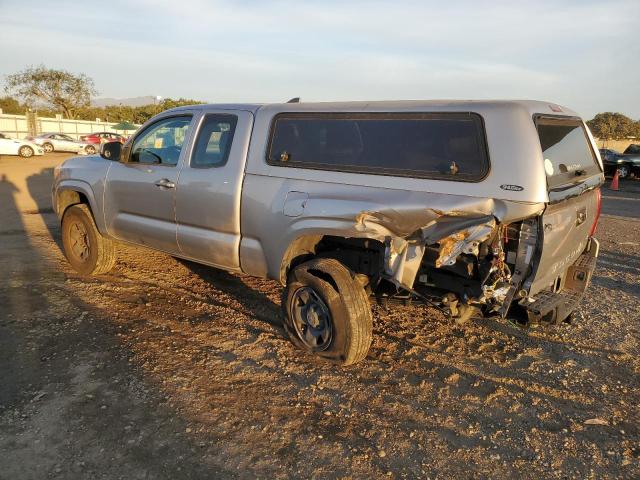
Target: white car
(59, 142)
(13, 146)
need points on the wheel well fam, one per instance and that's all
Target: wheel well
(360, 255)
(66, 198)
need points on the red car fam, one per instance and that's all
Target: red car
(98, 138)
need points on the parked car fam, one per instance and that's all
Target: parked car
(627, 163)
(59, 142)
(632, 149)
(99, 138)
(485, 207)
(13, 146)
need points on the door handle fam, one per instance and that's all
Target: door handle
(165, 183)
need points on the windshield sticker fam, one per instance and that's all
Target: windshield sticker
(548, 166)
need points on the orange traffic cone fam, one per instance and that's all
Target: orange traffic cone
(614, 182)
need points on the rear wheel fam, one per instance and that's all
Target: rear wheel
(623, 171)
(86, 249)
(90, 149)
(25, 151)
(47, 147)
(327, 311)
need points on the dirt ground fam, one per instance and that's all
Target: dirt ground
(166, 369)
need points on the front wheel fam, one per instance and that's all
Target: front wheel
(25, 151)
(48, 148)
(86, 249)
(90, 149)
(327, 311)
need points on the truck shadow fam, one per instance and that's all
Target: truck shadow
(63, 364)
(255, 302)
(39, 186)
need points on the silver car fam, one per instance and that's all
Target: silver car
(60, 142)
(473, 207)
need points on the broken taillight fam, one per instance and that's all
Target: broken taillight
(598, 209)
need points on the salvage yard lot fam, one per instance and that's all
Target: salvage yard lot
(167, 369)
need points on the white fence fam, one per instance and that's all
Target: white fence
(17, 126)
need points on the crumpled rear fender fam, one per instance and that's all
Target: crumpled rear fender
(407, 227)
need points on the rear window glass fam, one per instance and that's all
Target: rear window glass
(566, 150)
(450, 146)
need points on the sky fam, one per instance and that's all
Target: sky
(581, 54)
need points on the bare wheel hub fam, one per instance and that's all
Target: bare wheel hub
(311, 319)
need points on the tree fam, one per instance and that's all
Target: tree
(613, 126)
(58, 89)
(11, 106)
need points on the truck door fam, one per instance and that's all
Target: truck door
(140, 189)
(209, 189)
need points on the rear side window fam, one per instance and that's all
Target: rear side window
(214, 141)
(433, 145)
(566, 150)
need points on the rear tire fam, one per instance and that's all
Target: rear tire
(90, 149)
(327, 311)
(86, 249)
(47, 147)
(623, 171)
(25, 151)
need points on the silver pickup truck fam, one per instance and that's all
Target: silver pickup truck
(474, 207)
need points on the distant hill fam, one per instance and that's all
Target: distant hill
(129, 102)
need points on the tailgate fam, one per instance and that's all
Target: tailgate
(573, 177)
(565, 230)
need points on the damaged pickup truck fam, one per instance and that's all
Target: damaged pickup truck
(484, 207)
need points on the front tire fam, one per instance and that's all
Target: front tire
(86, 249)
(47, 147)
(90, 149)
(327, 311)
(25, 151)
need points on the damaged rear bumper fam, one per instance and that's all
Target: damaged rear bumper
(552, 307)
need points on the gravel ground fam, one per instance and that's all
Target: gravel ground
(166, 369)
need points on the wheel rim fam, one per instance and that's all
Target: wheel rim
(26, 152)
(311, 319)
(623, 172)
(48, 147)
(79, 239)
(91, 150)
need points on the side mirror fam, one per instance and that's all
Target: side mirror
(111, 151)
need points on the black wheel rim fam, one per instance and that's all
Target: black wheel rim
(311, 319)
(79, 241)
(623, 172)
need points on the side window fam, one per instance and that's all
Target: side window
(161, 142)
(424, 145)
(214, 140)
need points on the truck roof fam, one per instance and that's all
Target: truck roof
(533, 106)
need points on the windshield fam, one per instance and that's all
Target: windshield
(566, 150)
